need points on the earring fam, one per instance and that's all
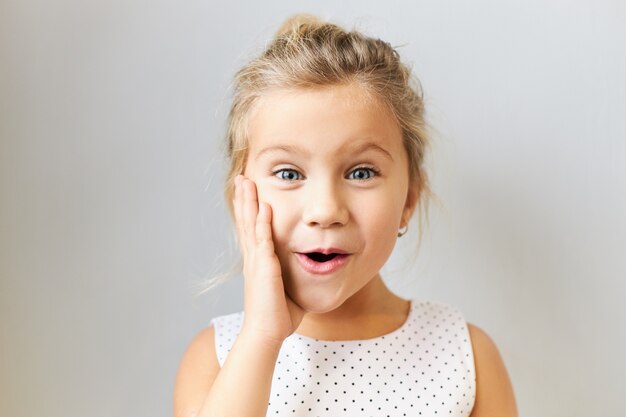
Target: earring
(402, 232)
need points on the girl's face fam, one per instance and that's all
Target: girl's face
(331, 164)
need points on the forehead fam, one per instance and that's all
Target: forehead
(329, 118)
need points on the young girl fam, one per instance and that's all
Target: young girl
(326, 142)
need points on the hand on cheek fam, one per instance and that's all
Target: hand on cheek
(269, 313)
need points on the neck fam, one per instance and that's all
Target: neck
(371, 312)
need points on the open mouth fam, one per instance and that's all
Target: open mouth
(322, 263)
(320, 257)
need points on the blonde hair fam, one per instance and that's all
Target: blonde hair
(307, 52)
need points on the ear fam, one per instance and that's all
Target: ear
(412, 198)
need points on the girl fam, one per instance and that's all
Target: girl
(326, 142)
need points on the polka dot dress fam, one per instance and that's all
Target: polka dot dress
(423, 368)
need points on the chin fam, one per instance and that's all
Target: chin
(314, 302)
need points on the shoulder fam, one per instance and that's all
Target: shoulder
(437, 310)
(202, 346)
(494, 392)
(197, 370)
(480, 340)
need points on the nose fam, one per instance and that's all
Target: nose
(325, 205)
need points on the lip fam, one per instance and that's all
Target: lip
(326, 251)
(323, 268)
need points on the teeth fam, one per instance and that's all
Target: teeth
(320, 257)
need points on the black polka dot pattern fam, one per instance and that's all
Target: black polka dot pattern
(423, 368)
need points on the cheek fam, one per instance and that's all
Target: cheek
(381, 235)
(383, 229)
(383, 213)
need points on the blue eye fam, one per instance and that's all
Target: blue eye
(362, 173)
(288, 174)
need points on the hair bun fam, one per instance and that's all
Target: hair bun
(294, 24)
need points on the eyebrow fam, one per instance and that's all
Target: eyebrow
(282, 148)
(374, 147)
(294, 149)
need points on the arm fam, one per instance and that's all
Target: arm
(241, 388)
(494, 393)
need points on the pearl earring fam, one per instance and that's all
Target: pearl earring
(402, 232)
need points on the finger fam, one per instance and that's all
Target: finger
(264, 228)
(238, 208)
(265, 242)
(250, 211)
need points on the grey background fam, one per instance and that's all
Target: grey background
(111, 212)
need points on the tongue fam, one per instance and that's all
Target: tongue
(320, 257)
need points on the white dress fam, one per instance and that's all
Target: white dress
(423, 368)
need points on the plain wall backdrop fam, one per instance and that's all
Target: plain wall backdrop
(112, 115)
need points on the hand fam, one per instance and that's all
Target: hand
(269, 312)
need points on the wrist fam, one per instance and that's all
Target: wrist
(261, 339)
